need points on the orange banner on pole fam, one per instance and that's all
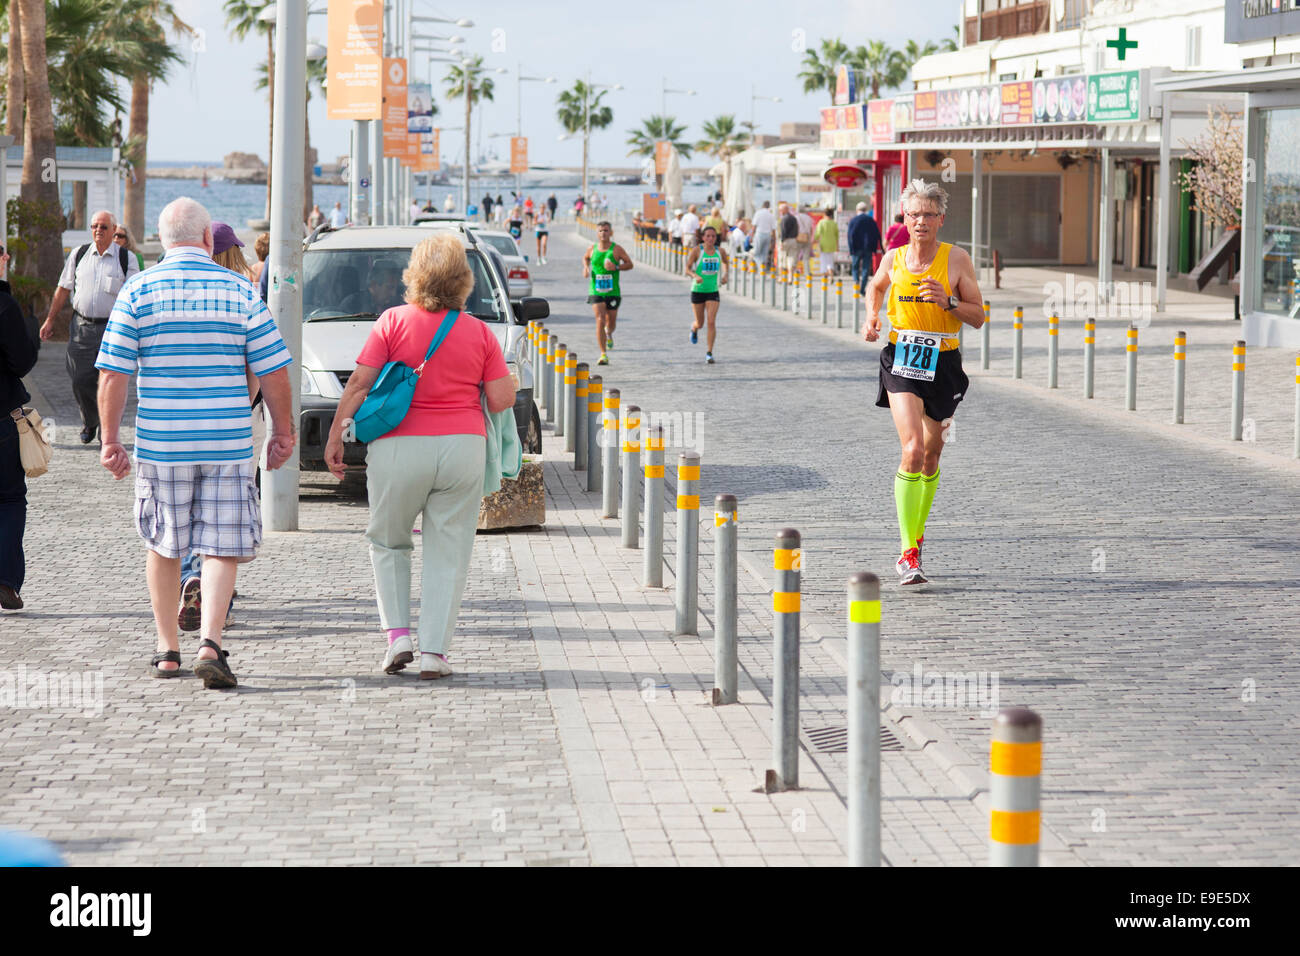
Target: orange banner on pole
(663, 152)
(395, 146)
(519, 154)
(355, 60)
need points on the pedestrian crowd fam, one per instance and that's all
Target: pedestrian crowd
(213, 392)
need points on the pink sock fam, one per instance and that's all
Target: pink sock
(395, 632)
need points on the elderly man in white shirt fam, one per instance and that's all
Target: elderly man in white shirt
(764, 230)
(690, 227)
(91, 278)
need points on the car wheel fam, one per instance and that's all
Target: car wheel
(533, 444)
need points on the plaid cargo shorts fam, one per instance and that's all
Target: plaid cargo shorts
(213, 509)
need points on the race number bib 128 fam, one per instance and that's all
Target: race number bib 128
(916, 354)
(604, 283)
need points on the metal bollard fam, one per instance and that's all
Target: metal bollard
(631, 465)
(1238, 387)
(785, 293)
(688, 541)
(787, 559)
(864, 720)
(726, 518)
(539, 367)
(1053, 345)
(1089, 354)
(652, 570)
(595, 407)
(570, 408)
(839, 303)
(578, 429)
(808, 297)
(825, 284)
(1180, 374)
(762, 284)
(548, 377)
(985, 330)
(1131, 386)
(1015, 766)
(1018, 349)
(557, 388)
(609, 456)
(857, 311)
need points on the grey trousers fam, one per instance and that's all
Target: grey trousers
(83, 349)
(440, 477)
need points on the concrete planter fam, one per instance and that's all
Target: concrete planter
(521, 502)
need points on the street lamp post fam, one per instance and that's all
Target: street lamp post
(754, 98)
(586, 122)
(519, 110)
(280, 503)
(469, 85)
(663, 115)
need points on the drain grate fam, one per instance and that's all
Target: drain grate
(835, 740)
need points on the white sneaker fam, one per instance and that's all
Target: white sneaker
(398, 655)
(433, 666)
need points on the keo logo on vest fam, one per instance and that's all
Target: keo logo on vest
(77, 909)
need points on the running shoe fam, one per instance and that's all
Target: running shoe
(901, 566)
(604, 359)
(695, 336)
(609, 341)
(912, 573)
(708, 358)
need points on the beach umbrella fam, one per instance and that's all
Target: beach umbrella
(673, 183)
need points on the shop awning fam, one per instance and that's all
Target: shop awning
(1258, 80)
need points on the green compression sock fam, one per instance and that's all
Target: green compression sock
(907, 499)
(929, 485)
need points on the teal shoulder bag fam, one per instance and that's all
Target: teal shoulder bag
(389, 398)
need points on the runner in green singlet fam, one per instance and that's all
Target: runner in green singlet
(602, 264)
(707, 268)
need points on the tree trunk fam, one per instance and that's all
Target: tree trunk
(133, 211)
(40, 174)
(15, 93)
(270, 122)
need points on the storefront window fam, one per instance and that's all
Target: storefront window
(1279, 197)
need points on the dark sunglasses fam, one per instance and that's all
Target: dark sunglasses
(119, 235)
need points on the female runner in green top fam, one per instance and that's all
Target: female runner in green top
(707, 268)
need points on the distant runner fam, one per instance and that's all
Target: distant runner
(932, 291)
(602, 264)
(707, 266)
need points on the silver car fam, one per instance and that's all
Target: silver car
(518, 278)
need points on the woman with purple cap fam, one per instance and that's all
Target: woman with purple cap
(225, 250)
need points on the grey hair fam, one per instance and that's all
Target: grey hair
(104, 212)
(183, 222)
(926, 192)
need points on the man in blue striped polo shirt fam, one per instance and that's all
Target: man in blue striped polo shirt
(194, 335)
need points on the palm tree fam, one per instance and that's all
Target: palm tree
(39, 191)
(467, 80)
(884, 66)
(147, 18)
(914, 51)
(656, 128)
(581, 110)
(241, 20)
(722, 138)
(953, 42)
(14, 96)
(818, 72)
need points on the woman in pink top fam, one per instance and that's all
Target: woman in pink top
(897, 235)
(433, 462)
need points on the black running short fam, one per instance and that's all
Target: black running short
(941, 397)
(612, 302)
(698, 297)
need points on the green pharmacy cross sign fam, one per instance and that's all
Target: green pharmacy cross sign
(1123, 44)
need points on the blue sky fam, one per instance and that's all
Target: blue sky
(209, 106)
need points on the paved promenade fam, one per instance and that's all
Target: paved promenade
(577, 729)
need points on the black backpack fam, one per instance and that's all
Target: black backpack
(123, 257)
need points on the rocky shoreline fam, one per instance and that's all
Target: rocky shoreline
(255, 175)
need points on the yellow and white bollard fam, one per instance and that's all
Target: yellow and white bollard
(1180, 374)
(1015, 768)
(1238, 387)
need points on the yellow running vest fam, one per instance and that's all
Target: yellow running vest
(906, 312)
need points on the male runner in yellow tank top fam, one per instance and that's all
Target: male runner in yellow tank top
(932, 291)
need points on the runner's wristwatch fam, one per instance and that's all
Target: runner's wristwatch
(953, 302)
